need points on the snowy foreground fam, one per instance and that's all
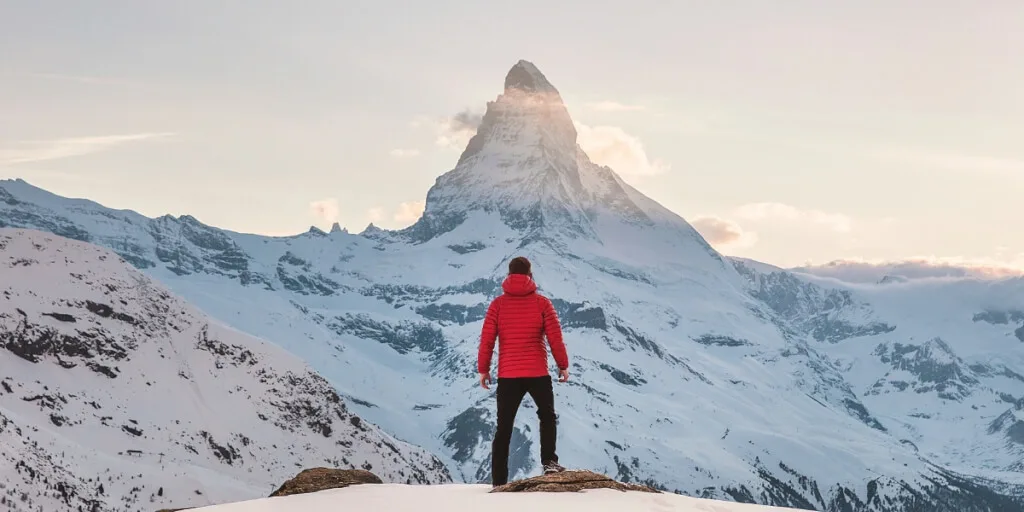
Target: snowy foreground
(456, 497)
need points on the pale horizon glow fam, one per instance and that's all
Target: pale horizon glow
(20, 152)
(792, 134)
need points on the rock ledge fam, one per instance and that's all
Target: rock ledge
(321, 479)
(570, 481)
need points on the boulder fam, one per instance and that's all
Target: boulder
(570, 481)
(321, 479)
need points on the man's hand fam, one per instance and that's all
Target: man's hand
(563, 375)
(485, 379)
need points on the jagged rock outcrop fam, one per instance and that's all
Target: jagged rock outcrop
(570, 481)
(322, 479)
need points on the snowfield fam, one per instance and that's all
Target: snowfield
(458, 498)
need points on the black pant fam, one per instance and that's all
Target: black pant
(510, 394)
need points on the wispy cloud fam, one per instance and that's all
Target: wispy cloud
(784, 212)
(326, 210)
(39, 150)
(724, 233)
(613, 147)
(613, 106)
(452, 132)
(605, 145)
(375, 215)
(857, 270)
(405, 153)
(409, 212)
(402, 215)
(954, 161)
(83, 79)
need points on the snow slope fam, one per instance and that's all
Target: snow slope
(949, 378)
(692, 372)
(117, 395)
(454, 498)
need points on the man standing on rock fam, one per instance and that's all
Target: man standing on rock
(520, 319)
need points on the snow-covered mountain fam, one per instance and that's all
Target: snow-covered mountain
(947, 378)
(693, 372)
(117, 395)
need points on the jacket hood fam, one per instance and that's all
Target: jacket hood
(519, 284)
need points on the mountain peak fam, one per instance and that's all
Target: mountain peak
(525, 165)
(372, 231)
(525, 76)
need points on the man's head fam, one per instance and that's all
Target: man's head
(520, 265)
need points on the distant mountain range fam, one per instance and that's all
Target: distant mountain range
(693, 372)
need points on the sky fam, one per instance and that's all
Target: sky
(795, 133)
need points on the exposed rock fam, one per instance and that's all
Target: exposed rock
(569, 481)
(322, 479)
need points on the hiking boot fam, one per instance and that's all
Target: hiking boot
(552, 467)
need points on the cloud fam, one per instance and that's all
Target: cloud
(401, 216)
(39, 150)
(409, 212)
(405, 153)
(854, 270)
(84, 79)
(404, 214)
(612, 106)
(783, 212)
(466, 120)
(454, 132)
(325, 209)
(375, 214)
(724, 233)
(622, 152)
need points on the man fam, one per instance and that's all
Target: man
(520, 319)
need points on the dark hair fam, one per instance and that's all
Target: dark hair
(519, 265)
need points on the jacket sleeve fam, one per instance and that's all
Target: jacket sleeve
(487, 336)
(553, 332)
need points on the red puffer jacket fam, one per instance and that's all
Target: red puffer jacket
(520, 319)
